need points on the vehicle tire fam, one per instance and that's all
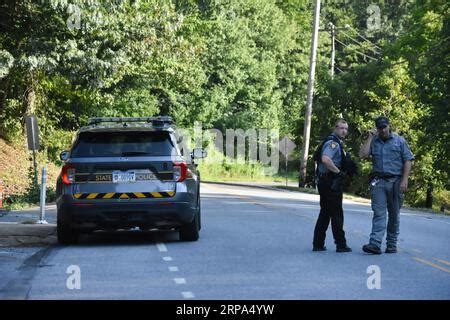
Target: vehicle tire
(66, 234)
(199, 215)
(189, 232)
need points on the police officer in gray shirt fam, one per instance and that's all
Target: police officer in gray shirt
(391, 166)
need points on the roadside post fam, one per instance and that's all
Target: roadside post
(43, 193)
(33, 140)
(2, 189)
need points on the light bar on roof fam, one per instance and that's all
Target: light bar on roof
(156, 121)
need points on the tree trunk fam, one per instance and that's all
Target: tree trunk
(31, 101)
(429, 200)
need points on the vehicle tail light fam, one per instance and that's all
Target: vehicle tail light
(68, 174)
(179, 171)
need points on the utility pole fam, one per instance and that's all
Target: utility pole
(309, 98)
(333, 29)
(333, 49)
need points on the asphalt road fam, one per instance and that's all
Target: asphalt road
(254, 244)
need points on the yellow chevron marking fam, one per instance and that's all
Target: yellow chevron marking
(139, 194)
(124, 195)
(156, 194)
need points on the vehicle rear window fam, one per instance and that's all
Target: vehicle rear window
(112, 144)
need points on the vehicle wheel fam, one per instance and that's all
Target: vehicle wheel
(199, 215)
(66, 234)
(189, 232)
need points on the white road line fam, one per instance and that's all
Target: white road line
(187, 295)
(167, 258)
(179, 280)
(161, 247)
(173, 269)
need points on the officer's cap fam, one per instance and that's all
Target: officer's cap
(381, 122)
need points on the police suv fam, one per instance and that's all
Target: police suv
(123, 173)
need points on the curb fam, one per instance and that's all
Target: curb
(17, 234)
(274, 188)
(247, 185)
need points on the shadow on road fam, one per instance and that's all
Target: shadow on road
(110, 238)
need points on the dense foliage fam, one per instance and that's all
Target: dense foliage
(231, 64)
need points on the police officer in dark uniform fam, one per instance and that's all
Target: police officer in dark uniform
(330, 183)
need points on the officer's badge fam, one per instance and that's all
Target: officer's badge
(333, 145)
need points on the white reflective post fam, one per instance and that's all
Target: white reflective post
(43, 191)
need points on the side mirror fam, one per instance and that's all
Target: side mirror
(198, 153)
(64, 155)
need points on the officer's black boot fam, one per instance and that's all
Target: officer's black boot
(391, 249)
(343, 248)
(371, 248)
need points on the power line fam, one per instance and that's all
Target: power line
(363, 54)
(339, 69)
(360, 43)
(349, 26)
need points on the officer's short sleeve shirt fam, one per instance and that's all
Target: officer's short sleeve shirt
(389, 156)
(332, 150)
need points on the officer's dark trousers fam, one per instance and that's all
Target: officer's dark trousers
(330, 209)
